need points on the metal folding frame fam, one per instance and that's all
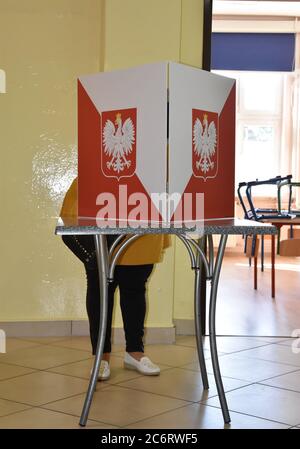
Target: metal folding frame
(106, 264)
(259, 214)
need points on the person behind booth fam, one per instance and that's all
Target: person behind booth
(131, 275)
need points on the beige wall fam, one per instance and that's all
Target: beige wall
(44, 46)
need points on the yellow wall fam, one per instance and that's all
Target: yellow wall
(44, 46)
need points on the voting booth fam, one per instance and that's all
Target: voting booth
(156, 133)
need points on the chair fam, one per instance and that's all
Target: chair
(263, 213)
(258, 214)
(291, 246)
(290, 185)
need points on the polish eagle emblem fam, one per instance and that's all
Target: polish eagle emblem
(118, 145)
(205, 144)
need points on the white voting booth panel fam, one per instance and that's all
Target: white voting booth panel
(124, 122)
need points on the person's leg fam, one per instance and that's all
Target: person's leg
(132, 281)
(93, 311)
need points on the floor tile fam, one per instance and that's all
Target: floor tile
(84, 344)
(267, 339)
(289, 381)
(118, 406)
(8, 371)
(290, 342)
(274, 353)
(41, 387)
(186, 340)
(44, 340)
(17, 343)
(225, 344)
(181, 384)
(68, 361)
(199, 416)
(43, 356)
(264, 402)
(238, 303)
(38, 418)
(8, 407)
(80, 343)
(245, 368)
(82, 369)
(235, 344)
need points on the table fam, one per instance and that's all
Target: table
(278, 223)
(200, 263)
(262, 264)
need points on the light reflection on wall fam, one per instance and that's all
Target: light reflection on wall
(2, 82)
(54, 166)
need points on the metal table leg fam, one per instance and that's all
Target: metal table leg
(212, 328)
(212, 272)
(204, 266)
(106, 270)
(198, 331)
(202, 293)
(102, 260)
(195, 265)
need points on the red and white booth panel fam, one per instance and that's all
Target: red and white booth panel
(122, 136)
(202, 139)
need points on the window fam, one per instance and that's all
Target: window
(258, 126)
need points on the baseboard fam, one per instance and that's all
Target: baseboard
(184, 327)
(153, 335)
(37, 328)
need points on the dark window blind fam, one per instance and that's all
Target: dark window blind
(253, 51)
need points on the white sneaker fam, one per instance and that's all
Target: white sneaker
(104, 371)
(143, 366)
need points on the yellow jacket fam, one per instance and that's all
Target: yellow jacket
(145, 250)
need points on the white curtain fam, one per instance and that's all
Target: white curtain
(295, 122)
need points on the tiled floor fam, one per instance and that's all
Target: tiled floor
(43, 384)
(239, 303)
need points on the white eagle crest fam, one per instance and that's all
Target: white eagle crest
(118, 143)
(205, 141)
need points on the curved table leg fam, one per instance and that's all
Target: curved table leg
(104, 271)
(195, 264)
(198, 329)
(203, 287)
(211, 252)
(102, 260)
(212, 328)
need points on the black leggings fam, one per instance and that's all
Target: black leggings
(131, 280)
